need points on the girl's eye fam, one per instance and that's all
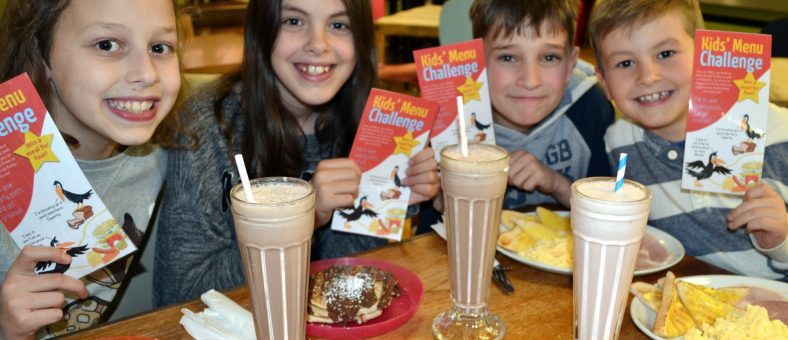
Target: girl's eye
(292, 22)
(624, 64)
(108, 45)
(161, 48)
(340, 26)
(666, 54)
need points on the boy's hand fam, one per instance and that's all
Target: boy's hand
(29, 301)
(336, 186)
(763, 213)
(422, 176)
(527, 173)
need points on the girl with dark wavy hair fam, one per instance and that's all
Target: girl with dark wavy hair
(292, 109)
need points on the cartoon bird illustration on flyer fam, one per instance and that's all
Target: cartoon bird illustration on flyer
(82, 211)
(714, 165)
(363, 208)
(49, 267)
(480, 135)
(751, 133)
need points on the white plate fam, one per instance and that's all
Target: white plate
(671, 244)
(643, 317)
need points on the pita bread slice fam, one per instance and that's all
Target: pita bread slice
(673, 319)
(704, 307)
(649, 294)
(729, 295)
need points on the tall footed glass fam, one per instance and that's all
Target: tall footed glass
(274, 239)
(473, 190)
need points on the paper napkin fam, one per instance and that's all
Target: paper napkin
(223, 319)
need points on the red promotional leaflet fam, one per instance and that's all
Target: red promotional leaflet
(45, 199)
(728, 112)
(449, 71)
(393, 128)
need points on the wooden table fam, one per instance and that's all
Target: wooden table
(421, 21)
(213, 53)
(540, 308)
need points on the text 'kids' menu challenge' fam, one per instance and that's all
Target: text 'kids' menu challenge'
(45, 199)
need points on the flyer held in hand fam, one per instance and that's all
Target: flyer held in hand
(393, 128)
(728, 109)
(45, 199)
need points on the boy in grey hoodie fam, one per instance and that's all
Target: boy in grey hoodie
(547, 109)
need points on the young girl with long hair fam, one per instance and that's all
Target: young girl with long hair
(292, 109)
(109, 74)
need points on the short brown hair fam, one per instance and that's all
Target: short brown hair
(609, 15)
(507, 17)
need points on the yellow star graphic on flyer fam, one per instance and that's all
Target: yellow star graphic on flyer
(405, 144)
(38, 149)
(470, 90)
(749, 87)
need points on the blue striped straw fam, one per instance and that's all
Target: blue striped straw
(622, 167)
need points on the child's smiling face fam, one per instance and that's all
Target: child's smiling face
(647, 72)
(528, 74)
(314, 53)
(114, 72)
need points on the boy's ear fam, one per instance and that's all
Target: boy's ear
(602, 82)
(574, 54)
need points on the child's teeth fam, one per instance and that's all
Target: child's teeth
(132, 106)
(654, 96)
(315, 70)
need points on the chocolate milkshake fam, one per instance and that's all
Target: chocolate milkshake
(607, 227)
(473, 189)
(274, 240)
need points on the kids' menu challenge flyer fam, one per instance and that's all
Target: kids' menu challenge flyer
(728, 112)
(45, 199)
(393, 128)
(446, 72)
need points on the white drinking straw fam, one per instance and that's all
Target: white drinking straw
(622, 168)
(461, 121)
(239, 161)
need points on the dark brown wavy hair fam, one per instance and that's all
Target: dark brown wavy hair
(272, 136)
(26, 31)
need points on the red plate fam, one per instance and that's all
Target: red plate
(399, 311)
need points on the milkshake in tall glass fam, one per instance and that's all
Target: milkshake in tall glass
(274, 240)
(473, 189)
(607, 227)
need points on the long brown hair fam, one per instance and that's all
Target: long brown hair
(26, 31)
(271, 136)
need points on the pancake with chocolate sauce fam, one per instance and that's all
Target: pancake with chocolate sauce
(347, 294)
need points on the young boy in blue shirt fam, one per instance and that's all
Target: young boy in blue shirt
(547, 108)
(644, 51)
